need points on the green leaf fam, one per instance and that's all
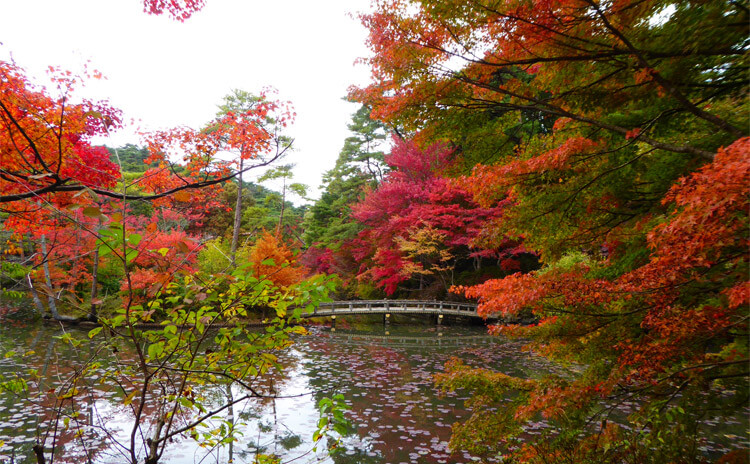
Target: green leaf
(104, 250)
(115, 231)
(268, 262)
(134, 239)
(93, 332)
(130, 255)
(340, 428)
(155, 349)
(184, 402)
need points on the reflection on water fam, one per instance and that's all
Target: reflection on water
(385, 373)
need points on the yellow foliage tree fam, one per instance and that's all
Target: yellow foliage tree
(427, 254)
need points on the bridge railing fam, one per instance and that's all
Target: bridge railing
(411, 306)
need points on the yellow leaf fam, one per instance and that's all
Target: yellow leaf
(129, 398)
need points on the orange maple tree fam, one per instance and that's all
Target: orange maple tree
(272, 259)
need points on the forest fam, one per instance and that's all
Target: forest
(582, 165)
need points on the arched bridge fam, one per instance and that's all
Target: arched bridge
(342, 308)
(411, 341)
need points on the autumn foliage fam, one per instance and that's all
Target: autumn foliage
(578, 165)
(86, 225)
(417, 223)
(272, 258)
(615, 137)
(37, 159)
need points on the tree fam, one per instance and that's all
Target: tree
(564, 60)
(131, 157)
(203, 338)
(607, 128)
(417, 224)
(50, 179)
(249, 127)
(59, 189)
(360, 151)
(46, 143)
(359, 164)
(45, 140)
(271, 259)
(50, 174)
(284, 173)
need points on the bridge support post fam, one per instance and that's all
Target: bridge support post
(333, 323)
(439, 320)
(386, 319)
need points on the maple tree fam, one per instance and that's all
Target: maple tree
(272, 259)
(499, 57)
(417, 223)
(72, 205)
(45, 140)
(60, 265)
(615, 134)
(161, 257)
(607, 139)
(48, 172)
(51, 174)
(250, 127)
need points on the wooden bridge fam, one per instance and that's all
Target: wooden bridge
(410, 341)
(387, 307)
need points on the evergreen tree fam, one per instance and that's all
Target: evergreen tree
(359, 166)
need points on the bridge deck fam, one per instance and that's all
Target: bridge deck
(340, 308)
(399, 340)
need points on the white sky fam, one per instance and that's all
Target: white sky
(162, 73)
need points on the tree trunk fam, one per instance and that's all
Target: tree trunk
(48, 279)
(35, 296)
(39, 453)
(94, 285)
(281, 214)
(153, 443)
(95, 279)
(230, 419)
(237, 216)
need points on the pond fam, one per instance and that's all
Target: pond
(384, 372)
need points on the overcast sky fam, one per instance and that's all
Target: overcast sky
(162, 73)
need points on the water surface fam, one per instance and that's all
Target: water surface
(385, 373)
